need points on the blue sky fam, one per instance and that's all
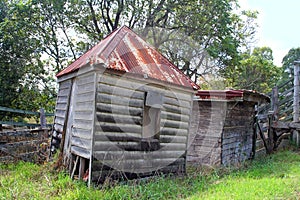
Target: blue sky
(279, 26)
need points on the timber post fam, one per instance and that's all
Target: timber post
(296, 136)
(43, 122)
(275, 103)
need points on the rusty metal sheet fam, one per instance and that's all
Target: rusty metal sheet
(124, 50)
(247, 95)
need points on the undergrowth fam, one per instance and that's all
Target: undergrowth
(272, 177)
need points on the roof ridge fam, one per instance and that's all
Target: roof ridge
(112, 38)
(196, 86)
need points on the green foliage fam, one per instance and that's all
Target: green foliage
(24, 80)
(272, 177)
(288, 63)
(255, 72)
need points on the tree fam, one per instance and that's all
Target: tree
(213, 28)
(255, 72)
(21, 66)
(288, 63)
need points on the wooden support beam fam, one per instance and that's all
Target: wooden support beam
(296, 91)
(74, 168)
(81, 168)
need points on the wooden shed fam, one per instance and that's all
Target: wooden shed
(222, 127)
(123, 110)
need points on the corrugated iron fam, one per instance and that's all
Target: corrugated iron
(231, 94)
(124, 50)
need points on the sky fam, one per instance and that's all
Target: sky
(279, 26)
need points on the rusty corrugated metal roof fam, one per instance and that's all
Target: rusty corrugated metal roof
(248, 95)
(124, 50)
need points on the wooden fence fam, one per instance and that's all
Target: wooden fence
(24, 144)
(4, 111)
(273, 121)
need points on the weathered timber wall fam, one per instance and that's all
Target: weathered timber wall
(62, 104)
(117, 148)
(221, 132)
(27, 145)
(81, 116)
(238, 133)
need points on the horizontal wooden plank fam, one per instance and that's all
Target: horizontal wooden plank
(117, 137)
(81, 142)
(140, 165)
(82, 133)
(60, 113)
(177, 102)
(83, 114)
(115, 146)
(65, 84)
(83, 124)
(61, 106)
(58, 127)
(117, 100)
(123, 82)
(13, 123)
(174, 124)
(121, 91)
(87, 105)
(59, 120)
(83, 152)
(173, 131)
(104, 136)
(85, 79)
(172, 147)
(119, 118)
(12, 110)
(174, 116)
(136, 155)
(119, 109)
(62, 99)
(176, 109)
(173, 139)
(88, 97)
(86, 87)
(113, 127)
(63, 92)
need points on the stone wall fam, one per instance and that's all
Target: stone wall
(26, 145)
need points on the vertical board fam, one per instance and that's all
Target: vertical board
(82, 122)
(206, 132)
(237, 138)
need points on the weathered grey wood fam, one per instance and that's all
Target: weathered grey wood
(126, 82)
(173, 131)
(120, 91)
(83, 152)
(118, 118)
(81, 168)
(119, 109)
(109, 99)
(74, 168)
(296, 92)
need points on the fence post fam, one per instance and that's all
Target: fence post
(43, 118)
(275, 103)
(296, 136)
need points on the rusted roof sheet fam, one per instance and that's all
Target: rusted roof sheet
(246, 95)
(125, 51)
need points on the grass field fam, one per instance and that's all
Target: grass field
(273, 177)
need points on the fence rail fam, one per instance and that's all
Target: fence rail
(42, 115)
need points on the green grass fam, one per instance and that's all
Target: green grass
(272, 177)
